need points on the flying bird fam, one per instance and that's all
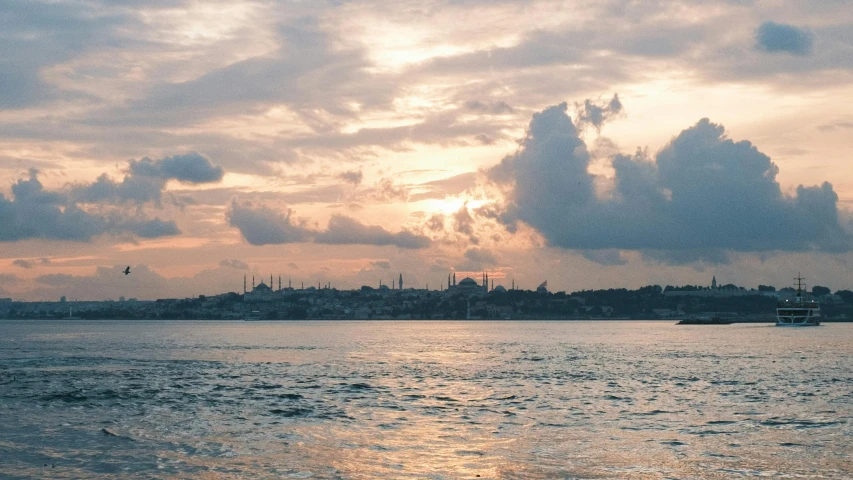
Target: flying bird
(127, 270)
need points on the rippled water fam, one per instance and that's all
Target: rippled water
(424, 400)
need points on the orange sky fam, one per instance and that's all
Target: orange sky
(349, 142)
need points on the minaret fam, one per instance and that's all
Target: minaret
(401, 281)
(253, 282)
(279, 282)
(288, 283)
(448, 281)
(493, 285)
(454, 279)
(244, 284)
(271, 284)
(714, 283)
(513, 284)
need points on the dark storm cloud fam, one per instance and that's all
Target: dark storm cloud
(345, 230)
(37, 213)
(234, 263)
(20, 262)
(703, 192)
(261, 225)
(776, 37)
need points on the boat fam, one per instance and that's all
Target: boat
(705, 321)
(802, 311)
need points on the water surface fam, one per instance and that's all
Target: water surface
(424, 400)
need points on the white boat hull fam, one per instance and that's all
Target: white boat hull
(812, 319)
(800, 324)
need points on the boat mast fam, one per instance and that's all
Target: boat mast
(800, 285)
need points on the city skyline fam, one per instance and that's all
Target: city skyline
(591, 144)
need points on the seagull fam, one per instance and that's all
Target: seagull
(127, 270)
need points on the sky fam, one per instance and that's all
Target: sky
(589, 144)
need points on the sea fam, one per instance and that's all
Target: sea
(424, 399)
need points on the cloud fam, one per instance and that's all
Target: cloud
(30, 38)
(597, 113)
(55, 279)
(38, 213)
(8, 278)
(20, 262)
(702, 193)
(146, 179)
(353, 176)
(484, 139)
(153, 228)
(829, 127)
(346, 230)
(263, 226)
(234, 263)
(476, 259)
(383, 264)
(481, 256)
(445, 186)
(606, 257)
(133, 189)
(189, 168)
(463, 222)
(436, 222)
(493, 108)
(777, 37)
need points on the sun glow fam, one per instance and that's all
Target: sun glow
(451, 205)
